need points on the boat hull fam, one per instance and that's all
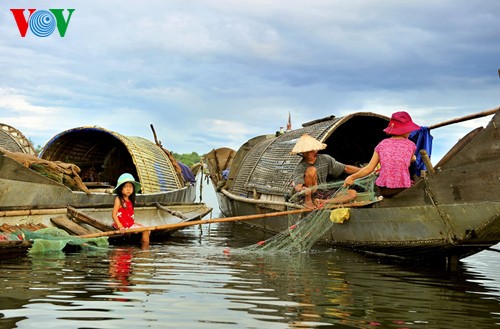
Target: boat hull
(451, 212)
(416, 232)
(23, 188)
(148, 216)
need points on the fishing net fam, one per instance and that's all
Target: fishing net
(54, 239)
(302, 235)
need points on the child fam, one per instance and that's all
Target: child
(123, 208)
(394, 155)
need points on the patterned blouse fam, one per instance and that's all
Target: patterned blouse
(395, 157)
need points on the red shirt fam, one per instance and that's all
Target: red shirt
(125, 215)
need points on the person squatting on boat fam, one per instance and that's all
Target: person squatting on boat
(314, 168)
(123, 208)
(394, 154)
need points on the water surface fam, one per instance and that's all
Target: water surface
(192, 282)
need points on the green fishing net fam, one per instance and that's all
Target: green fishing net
(302, 235)
(54, 239)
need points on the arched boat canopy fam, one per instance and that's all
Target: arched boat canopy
(264, 164)
(103, 155)
(13, 140)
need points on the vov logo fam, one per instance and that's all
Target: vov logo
(42, 23)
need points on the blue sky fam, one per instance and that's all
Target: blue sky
(216, 73)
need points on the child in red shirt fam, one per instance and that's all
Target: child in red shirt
(123, 208)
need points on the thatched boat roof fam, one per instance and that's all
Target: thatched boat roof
(13, 140)
(265, 165)
(103, 155)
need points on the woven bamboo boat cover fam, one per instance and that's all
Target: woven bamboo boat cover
(13, 140)
(268, 167)
(104, 155)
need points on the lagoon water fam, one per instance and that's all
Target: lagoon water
(190, 282)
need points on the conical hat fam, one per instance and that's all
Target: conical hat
(307, 143)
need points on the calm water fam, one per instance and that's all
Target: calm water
(190, 282)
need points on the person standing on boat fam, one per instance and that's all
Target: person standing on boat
(123, 208)
(394, 154)
(314, 168)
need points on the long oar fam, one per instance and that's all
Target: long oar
(196, 222)
(465, 118)
(223, 219)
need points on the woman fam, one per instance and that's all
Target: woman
(394, 154)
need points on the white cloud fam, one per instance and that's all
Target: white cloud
(188, 67)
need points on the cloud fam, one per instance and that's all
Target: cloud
(197, 70)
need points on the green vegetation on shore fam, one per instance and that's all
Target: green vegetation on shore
(188, 159)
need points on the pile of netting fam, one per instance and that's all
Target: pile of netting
(61, 172)
(300, 236)
(54, 239)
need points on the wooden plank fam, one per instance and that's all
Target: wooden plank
(69, 226)
(88, 219)
(11, 249)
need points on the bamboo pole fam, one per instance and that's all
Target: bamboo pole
(465, 118)
(427, 161)
(32, 212)
(224, 219)
(196, 222)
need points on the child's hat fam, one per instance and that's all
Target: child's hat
(307, 143)
(400, 124)
(124, 178)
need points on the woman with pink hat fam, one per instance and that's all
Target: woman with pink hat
(394, 154)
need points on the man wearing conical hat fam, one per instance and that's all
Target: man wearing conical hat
(314, 168)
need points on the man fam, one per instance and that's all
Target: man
(313, 170)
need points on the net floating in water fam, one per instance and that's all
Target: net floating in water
(53, 239)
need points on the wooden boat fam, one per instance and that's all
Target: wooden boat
(94, 221)
(12, 249)
(92, 158)
(100, 156)
(450, 213)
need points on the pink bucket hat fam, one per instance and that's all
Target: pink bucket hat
(400, 124)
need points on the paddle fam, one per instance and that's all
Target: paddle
(217, 220)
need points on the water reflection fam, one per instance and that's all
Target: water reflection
(120, 267)
(189, 282)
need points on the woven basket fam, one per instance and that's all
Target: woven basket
(13, 140)
(95, 149)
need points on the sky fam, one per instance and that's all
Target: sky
(216, 73)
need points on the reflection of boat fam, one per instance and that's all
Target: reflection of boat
(447, 215)
(348, 291)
